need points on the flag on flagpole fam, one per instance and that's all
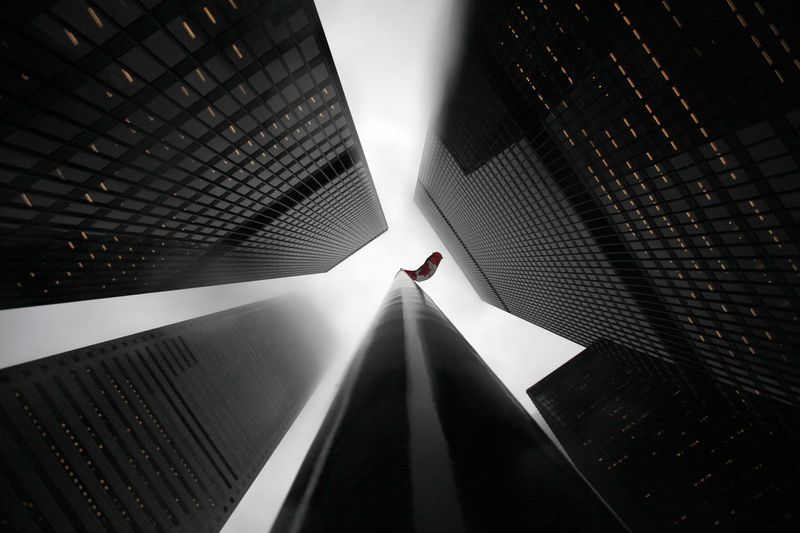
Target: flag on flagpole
(427, 269)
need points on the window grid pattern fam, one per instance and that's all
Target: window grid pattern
(724, 459)
(160, 147)
(616, 167)
(159, 431)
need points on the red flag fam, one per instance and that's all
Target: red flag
(427, 269)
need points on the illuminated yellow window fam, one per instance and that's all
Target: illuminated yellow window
(71, 37)
(95, 17)
(188, 29)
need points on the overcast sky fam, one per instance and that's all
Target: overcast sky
(391, 58)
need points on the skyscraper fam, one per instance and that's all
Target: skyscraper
(628, 171)
(422, 436)
(668, 450)
(158, 431)
(172, 145)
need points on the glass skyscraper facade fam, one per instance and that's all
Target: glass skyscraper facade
(670, 451)
(628, 171)
(422, 436)
(159, 431)
(149, 146)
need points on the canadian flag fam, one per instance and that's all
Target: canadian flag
(427, 269)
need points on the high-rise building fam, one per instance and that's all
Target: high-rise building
(671, 451)
(422, 436)
(159, 431)
(629, 171)
(163, 145)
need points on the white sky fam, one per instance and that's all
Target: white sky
(391, 58)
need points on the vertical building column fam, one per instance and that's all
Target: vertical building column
(422, 436)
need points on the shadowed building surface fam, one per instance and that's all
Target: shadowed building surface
(423, 437)
(159, 431)
(176, 145)
(628, 171)
(671, 451)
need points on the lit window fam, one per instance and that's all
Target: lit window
(95, 17)
(188, 29)
(71, 37)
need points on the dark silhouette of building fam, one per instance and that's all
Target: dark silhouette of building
(160, 431)
(422, 436)
(171, 145)
(670, 451)
(628, 171)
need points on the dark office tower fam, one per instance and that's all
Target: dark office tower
(628, 170)
(155, 432)
(158, 145)
(423, 437)
(667, 450)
